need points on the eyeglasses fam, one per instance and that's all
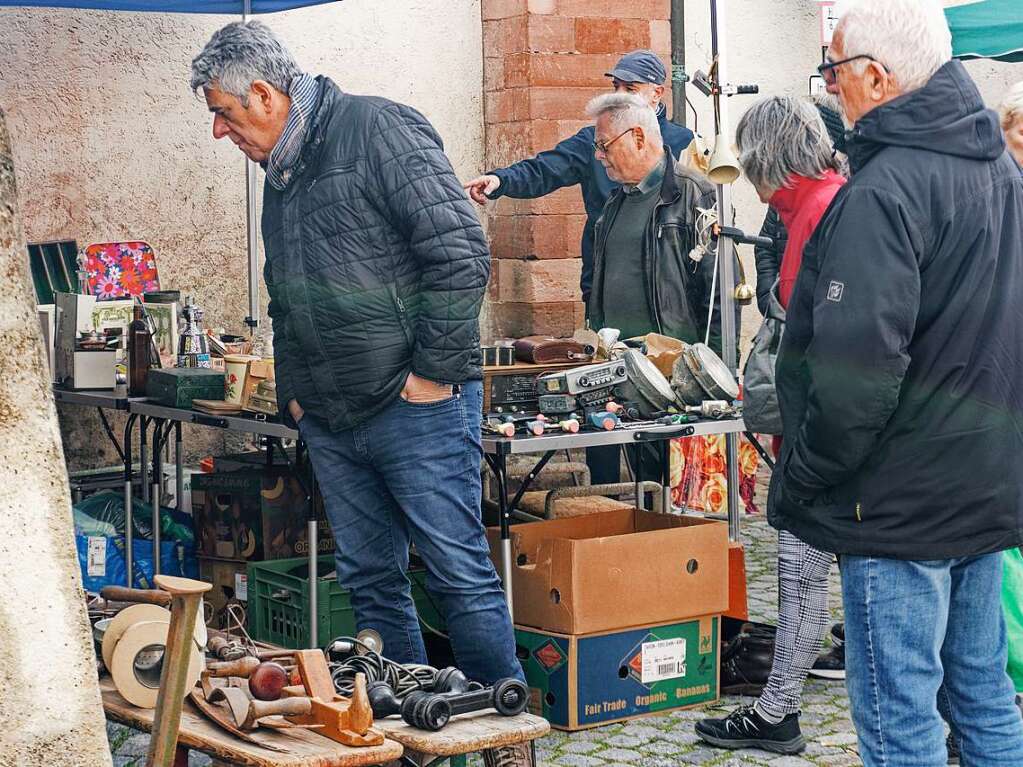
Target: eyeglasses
(827, 70)
(603, 146)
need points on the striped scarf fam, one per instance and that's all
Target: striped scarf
(304, 92)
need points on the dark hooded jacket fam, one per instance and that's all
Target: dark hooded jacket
(899, 376)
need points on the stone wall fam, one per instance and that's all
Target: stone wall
(50, 710)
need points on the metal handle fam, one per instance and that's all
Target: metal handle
(658, 436)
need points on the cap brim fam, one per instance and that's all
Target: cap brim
(625, 76)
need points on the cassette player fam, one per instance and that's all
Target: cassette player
(582, 379)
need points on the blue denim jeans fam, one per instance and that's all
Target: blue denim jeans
(909, 627)
(411, 474)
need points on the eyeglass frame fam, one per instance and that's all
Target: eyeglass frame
(830, 76)
(603, 146)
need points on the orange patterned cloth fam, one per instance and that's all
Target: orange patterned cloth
(699, 481)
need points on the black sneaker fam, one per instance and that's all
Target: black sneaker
(830, 665)
(953, 749)
(838, 635)
(745, 728)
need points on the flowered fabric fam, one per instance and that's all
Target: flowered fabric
(121, 269)
(699, 480)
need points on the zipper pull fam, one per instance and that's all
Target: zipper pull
(859, 506)
(660, 230)
(311, 185)
(401, 304)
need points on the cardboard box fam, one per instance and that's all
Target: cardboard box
(253, 515)
(577, 682)
(230, 584)
(616, 569)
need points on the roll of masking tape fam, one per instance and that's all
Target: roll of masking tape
(143, 612)
(138, 662)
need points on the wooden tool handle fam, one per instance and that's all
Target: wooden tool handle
(242, 667)
(285, 706)
(147, 596)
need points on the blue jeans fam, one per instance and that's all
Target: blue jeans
(411, 474)
(909, 627)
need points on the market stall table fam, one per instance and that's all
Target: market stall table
(304, 748)
(496, 450)
(467, 734)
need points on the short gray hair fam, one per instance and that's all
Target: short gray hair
(783, 136)
(627, 110)
(1011, 107)
(241, 53)
(909, 37)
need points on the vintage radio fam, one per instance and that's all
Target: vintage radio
(512, 388)
(577, 380)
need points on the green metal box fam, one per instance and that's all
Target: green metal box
(177, 387)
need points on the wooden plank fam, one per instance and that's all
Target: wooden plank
(466, 734)
(305, 748)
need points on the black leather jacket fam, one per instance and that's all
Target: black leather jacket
(678, 288)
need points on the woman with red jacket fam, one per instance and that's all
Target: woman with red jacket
(785, 152)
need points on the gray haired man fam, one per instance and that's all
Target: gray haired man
(376, 267)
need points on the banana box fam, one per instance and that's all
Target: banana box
(254, 514)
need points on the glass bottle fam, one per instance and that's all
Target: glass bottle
(138, 353)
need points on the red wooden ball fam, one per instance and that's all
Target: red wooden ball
(268, 680)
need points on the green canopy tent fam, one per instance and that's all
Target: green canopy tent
(986, 29)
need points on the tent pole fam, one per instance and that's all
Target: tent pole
(252, 233)
(726, 257)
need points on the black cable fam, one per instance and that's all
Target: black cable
(403, 679)
(110, 433)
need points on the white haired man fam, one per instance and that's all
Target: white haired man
(643, 278)
(898, 379)
(376, 267)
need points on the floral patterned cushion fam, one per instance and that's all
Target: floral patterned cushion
(121, 269)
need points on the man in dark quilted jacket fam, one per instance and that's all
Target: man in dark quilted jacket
(376, 267)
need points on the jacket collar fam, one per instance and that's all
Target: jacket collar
(793, 197)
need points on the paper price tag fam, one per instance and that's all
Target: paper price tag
(96, 559)
(241, 587)
(664, 659)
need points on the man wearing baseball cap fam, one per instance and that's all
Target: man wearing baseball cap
(573, 162)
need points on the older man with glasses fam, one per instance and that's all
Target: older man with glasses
(898, 379)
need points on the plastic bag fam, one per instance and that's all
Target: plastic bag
(1012, 604)
(107, 508)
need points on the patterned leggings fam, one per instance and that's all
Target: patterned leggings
(802, 618)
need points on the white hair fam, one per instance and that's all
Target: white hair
(627, 110)
(1011, 108)
(909, 37)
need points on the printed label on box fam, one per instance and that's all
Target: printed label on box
(241, 587)
(97, 558)
(665, 659)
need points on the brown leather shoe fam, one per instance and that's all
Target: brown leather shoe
(517, 755)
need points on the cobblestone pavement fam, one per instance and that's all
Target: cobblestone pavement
(668, 740)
